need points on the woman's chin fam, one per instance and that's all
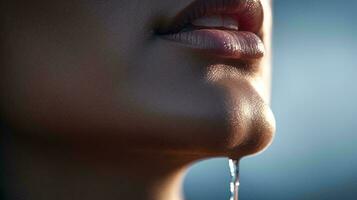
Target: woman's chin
(245, 126)
(249, 119)
(253, 136)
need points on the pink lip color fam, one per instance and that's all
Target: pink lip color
(241, 44)
(224, 43)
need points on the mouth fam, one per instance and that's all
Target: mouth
(224, 28)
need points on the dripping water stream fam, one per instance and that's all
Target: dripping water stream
(234, 185)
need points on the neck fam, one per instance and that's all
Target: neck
(54, 173)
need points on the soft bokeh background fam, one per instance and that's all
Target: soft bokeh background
(314, 155)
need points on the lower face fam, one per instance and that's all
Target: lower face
(97, 71)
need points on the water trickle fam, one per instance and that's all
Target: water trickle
(234, 185)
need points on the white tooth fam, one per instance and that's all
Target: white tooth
(211, 21)
(217, 21)
(230, 23)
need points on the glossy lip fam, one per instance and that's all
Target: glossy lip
(241, 44)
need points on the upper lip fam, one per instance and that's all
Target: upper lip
(248, 13)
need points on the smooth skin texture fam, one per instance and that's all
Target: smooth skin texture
(94, 105)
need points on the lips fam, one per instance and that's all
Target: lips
(224, 28)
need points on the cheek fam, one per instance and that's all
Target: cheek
(42, 97)
(61, 70)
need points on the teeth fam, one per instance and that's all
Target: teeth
(230, 23)
(217, 22)
(211, 21)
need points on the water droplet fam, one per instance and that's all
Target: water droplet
(234, 185)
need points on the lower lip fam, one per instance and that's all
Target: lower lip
(222, 43)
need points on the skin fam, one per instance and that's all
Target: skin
(95, 106)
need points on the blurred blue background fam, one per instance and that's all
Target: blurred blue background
(314, 155)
